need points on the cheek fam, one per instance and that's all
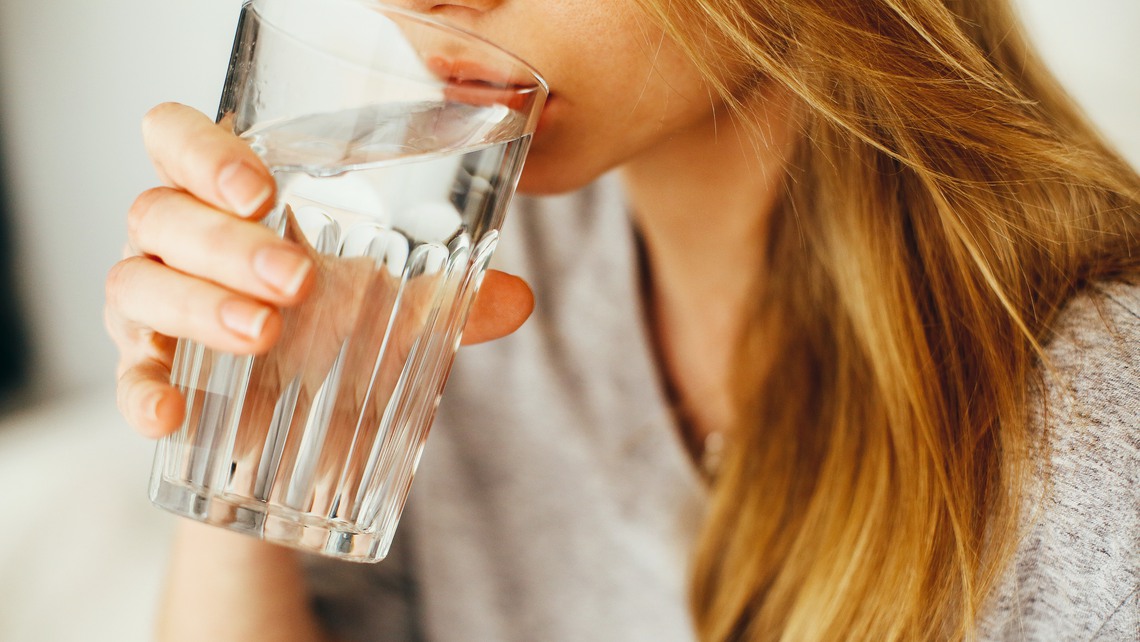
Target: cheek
(598, 128)
(618, 89)
(578, 142)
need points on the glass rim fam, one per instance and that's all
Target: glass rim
(378, 6)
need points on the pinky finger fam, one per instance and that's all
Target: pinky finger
(152, 406)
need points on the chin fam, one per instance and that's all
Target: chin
(548, 173)
(532, 185)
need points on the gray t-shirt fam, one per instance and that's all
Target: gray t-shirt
(556, 502)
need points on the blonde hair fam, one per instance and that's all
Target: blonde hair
(944, 202)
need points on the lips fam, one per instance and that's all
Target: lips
(467, 73)
(473, 83)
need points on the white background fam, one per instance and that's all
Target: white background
(76, 76)
(80, 549)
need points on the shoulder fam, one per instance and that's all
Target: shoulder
(1096, 338)
(1088, 404)
(1076, 571)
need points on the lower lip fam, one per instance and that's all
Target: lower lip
(544, 117)
(466, 70)
(481, 85)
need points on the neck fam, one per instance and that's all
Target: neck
(701, 201)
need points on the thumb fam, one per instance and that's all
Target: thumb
(504, 302)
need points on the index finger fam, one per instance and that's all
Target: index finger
(192, 153)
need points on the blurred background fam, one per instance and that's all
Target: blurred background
(81, 550)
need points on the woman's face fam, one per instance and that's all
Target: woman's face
(618, 86)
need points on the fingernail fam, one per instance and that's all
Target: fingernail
(244, 318)
(243, 187)
(283, 270)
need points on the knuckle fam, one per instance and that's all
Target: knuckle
(220, 234)
(112, 324)
(113, 286)
(198, 315)
(155, 115)
(121, 368)
(121, 402)
(160, 349)
(129, 396)
(118, 281)
(143, 206)
(124, 388)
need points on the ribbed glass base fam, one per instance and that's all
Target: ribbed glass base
(277, 524)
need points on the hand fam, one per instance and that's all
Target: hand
(199, 266)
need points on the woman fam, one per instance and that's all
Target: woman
(871, 249)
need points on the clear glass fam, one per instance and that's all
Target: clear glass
(396, 143)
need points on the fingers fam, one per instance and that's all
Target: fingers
(238, 269)
(197, 239)
(144, 293)
(504, 302)
(192, 153)
(151, 405)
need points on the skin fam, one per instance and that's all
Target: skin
(197, 265)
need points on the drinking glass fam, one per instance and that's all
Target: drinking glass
(396, 142)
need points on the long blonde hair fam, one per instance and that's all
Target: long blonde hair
(945, 201)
